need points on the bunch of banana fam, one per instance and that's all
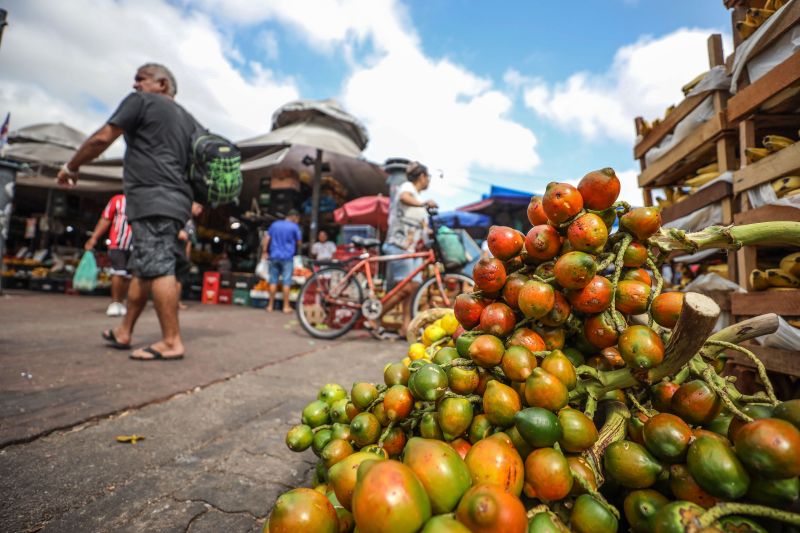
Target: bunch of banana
(692, 84)
(791, 264)
(773, 143)
(786, 276)
(755, 17)
(679, 195)
(704, 175)
(778, 278)
(755, 154)
(773, 5)
(758, 280)
(785, 185)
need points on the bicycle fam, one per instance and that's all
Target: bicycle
(332, 300)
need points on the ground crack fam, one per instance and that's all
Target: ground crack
(210, 505)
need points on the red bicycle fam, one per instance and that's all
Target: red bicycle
(333, 299)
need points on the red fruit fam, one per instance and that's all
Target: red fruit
(559, 313)
(642, 222)
(468, 309)
(536, 214)
(542, 242)
(536, 299)
(696, 403)
(528, 338)
(561, 202)
(574, 270)
(769, 447)
(514, 283)
(593, 298)
(487, 509)
(641, 347)
(588, 233)
(600, 331)
(638, 274)
(631, 297)
(635, 255)
(547, 472)
(486, 350)
(497, 319)
(303, 510)
(661, 395)
(489, 274)
(599, 189)
(666, 308)
(504, 242)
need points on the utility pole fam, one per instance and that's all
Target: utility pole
(3, 23)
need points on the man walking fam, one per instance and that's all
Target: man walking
(281, 242)
(114, 221)
(158, 134)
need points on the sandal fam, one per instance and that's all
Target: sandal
(157, 356)
(111, 339)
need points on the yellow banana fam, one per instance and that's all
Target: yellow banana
(754, 154)
(773, 143)
(785, 185)
(773, 5)
(663, 202)
(791, 264)
(746, 28)
(759, 15)
(779, 278)
(794, 322)
(758, 280)
(702, 179)
(692, 84)
(713, 167)
(721, 269)
(791, 194)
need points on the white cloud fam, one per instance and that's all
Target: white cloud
(61, 65)
(643, 80)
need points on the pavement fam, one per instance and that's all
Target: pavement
(213, 458)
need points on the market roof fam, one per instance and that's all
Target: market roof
(44, 144)
(498, 196)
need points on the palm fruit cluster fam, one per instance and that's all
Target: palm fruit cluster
(531, 406)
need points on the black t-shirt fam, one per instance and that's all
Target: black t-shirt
(158, 133)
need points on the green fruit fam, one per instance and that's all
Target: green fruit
(445, 355)
(363, 394)
(631, 465)
(677, 517)
(320, 440)
(720, 424)
(575, 356)
(444, 524)
(774, 492)
(590, 516)
(539, 427)
(331, 392)
(341, 431)
(299, 438)
(454, 416)
(640, 505)
(429, 427)
(789, 411)
(316, 413)
(546, 523)
(579, 431)
(739, 524)
(338, 412)
(428, 383)
(463, 343)
(715, 467)
(440, 469)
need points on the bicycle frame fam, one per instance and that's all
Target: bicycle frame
(364, 264)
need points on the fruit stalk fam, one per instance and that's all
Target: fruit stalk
(731, 237)
(613, 430)
(729, 508)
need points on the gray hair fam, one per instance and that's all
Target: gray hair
(160, 72)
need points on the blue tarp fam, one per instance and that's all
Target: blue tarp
(463, 219)
(504, 191)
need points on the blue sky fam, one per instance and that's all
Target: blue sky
(516, 93)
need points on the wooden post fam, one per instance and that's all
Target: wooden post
(647, 193)
(746, 256)
(315, 189)
(715, 54)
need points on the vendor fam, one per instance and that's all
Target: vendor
(323, 249)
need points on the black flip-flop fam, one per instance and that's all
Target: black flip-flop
(111, 339)
(157, 356)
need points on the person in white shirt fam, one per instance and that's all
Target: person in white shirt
(323, 249)
(408, 220)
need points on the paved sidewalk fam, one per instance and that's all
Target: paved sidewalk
(213, 458)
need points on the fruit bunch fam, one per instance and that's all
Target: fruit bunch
(787, 275)
(565, 393)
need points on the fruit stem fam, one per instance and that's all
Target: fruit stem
(638, 406)
(385, 433)
(723, 391)
(613, 430)
(655, 292)
(762, 371)
(618, 260)
(728, 508)
(731, 237)
(595, 494)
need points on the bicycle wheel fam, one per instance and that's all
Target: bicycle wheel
(326, 307)
(429, 295)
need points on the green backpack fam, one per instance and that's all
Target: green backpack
(215, 172)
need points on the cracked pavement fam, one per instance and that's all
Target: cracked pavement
(213, 458)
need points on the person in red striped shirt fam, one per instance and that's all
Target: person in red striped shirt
(114, 221)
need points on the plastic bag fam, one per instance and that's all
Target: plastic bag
(262, 269)
(85, 278)
(454, 254)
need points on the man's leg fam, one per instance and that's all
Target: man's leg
(137, 300)
(273, 290)
(117, 288)
(288, 267)
(165, 300)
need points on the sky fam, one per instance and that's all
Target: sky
(512, 93)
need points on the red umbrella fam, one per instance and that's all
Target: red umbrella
(372, 210)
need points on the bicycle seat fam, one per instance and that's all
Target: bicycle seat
(364, 242)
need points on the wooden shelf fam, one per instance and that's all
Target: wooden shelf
(774, 359)
(657, 134)
(768, 213)
(711, 194)
(785, 303)
(770, 91)
(684, 158)
(782, 163)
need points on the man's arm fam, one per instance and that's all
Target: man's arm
(265, 246)
(408, 199)
(100, 229)
(89, 150)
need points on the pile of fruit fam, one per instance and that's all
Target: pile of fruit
(567, 393)
(756, 16)
(786, 275)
